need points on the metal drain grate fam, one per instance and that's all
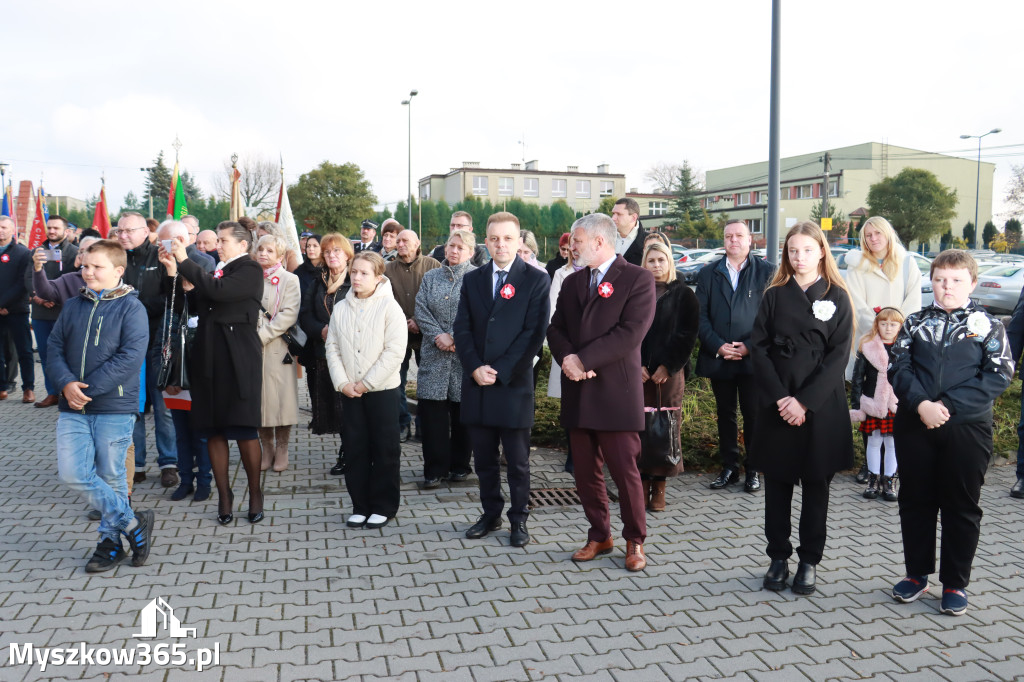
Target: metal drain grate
(554, 497)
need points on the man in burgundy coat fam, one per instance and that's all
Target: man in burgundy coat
(602, 314)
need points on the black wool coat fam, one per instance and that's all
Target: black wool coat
(673, 332)
(227, 359)
(796, 354)
(506, 334)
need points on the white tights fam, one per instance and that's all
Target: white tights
(874, 453)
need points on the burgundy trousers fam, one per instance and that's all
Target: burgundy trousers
(620, 450)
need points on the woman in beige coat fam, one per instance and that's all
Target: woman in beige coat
(280, 302)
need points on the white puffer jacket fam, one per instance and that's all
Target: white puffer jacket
(366, 340)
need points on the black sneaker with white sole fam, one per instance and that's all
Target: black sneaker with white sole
(109, 553)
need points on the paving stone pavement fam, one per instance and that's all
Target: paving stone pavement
(302, 597)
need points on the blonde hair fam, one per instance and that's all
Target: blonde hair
(662, 249)
(280, 245)
(373, 258)
(891, 261)
(467, 237)
(886, 314)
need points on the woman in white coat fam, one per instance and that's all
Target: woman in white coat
(365, 345)
(881, 275)
(281, 299)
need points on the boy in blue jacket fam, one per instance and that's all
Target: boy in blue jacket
(96, 350)
(949, 363)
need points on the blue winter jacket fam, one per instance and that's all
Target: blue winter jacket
(100, 340)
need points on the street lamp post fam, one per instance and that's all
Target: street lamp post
(408, 103)
(977, 185)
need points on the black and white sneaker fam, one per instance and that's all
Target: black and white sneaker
(141, 536)
(109, 553)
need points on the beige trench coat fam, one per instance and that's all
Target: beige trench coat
(280, 380)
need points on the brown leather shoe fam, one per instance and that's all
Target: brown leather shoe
(48, 401)
(3, 395)
(590, 550)
(28, 397)
(169, 477)
(635, 559)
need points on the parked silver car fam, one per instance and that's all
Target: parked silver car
(999, 288)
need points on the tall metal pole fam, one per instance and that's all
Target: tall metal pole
(977, 183)
(772, 233)
(408, 103)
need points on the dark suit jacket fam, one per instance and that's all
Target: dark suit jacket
(505, 334)
(606, 334)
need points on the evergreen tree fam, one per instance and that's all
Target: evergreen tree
(1012, 231)
(969, 234)
(686, 191)
(988, 233)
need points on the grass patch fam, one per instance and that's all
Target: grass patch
(699, 428)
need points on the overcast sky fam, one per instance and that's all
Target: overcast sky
(94, 86)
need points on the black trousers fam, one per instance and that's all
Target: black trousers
(16, 326)
(778, 503)
(445, 440)
(943, 470)
(372, 452)
(726, 393)
(484, 440)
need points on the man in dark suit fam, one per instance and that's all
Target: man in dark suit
(500, 325)
(630, 234)
(729, 291)
(601, 317)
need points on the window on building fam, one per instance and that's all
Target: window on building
(505, 187)
(558, 188)
(583, 189)
(755, 225)
(425, 191)
(833, 188)
(805, 191)
(480, 184)
(607, 187)
(762, 197)
(744, 199)
(531, 187)
(657, 208)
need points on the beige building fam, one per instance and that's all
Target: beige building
(581, 191)
(741, 191)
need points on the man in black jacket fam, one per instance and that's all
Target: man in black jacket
(14, 262)
(729, 291)
(149, 278)
(59, 254)
(461, 220)
(630, 241)
(367, 233)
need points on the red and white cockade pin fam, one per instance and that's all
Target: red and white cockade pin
(5, 258)
(605, 289)
(217, 274)
(507, 291)
(274, 280)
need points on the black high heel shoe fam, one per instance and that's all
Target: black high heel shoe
(255, 517)
(225, 519)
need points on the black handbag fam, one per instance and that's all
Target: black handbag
(295, 337)
(660, 443)
(176, 349)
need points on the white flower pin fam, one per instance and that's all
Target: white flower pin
(823, 310)
(978, 323)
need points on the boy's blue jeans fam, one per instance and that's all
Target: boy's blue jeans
(91, 450)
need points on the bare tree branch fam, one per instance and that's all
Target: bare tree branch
(662, 176)
(260, 181)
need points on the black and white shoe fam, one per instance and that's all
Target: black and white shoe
(109, 553)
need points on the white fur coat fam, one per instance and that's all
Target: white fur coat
(884, 400)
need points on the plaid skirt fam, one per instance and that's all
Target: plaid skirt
(872, 424)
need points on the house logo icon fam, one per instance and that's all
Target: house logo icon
(159, 612)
